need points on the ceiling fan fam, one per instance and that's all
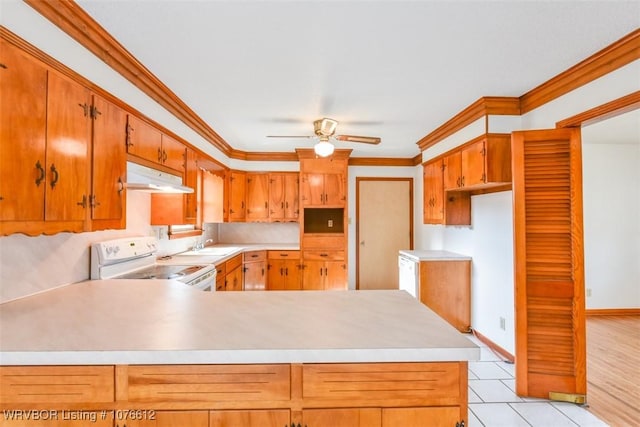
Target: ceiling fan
(324, 130)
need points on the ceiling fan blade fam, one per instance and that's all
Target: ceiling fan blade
(364, 139)
(290, 136)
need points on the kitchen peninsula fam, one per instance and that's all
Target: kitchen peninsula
(316, 358)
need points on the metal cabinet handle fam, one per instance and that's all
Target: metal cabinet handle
(42, 173)
(56, 175)
(85, 108)
(159, 155)
(463, 181)
(121, 184)
(164, 156)
(83, 203)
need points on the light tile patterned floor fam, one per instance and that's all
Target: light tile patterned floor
(494, 403)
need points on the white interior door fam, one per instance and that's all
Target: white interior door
(384, 217)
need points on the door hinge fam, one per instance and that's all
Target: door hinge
(460, 423)
(94, 112)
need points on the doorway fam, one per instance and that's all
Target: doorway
(384, 226)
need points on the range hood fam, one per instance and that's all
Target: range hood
(142, 178)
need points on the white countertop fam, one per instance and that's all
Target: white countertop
(167, 322)
(202, 257)
(430, 255)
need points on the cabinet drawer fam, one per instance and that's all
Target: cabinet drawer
(284, 255)
(324, 255)
(312, 241)
(382, 381)
(255, 256)
(207, 383)
(221, 270)
(56, 384)
(233, 263)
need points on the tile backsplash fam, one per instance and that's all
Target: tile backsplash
(29, 265)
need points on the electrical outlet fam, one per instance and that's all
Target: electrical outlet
(503, 323)
(588, 292)
(330, 223)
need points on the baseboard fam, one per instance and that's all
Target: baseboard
(495, 347)
(613, 312)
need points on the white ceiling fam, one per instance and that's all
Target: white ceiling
(393, 69)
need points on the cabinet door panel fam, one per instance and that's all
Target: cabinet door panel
(145, 141)
(334, 189)
(255, 418)
(291, 198)
(255, 276)
(233, 280)
(335, 275)
(313, 275)
(23, 104)
(191, 180)
(276, 196)
(292, 275)
(275, 275)
(237, 190)
(418, 417)
(472, 159)
(109, 161)
(369, 417)
(68, 136)
(312, 189)
(173, 153)
(257, 197)
(433, 193)
(452, 171)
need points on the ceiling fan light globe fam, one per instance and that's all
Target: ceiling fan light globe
(323, 148)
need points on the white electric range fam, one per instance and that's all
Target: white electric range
(135, 258)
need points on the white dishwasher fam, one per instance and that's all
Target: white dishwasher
(409, 275)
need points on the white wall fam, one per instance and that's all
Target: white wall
(611, 198)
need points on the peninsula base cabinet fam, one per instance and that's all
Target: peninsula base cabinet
(249, 395)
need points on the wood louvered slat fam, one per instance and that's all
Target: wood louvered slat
(550, 329)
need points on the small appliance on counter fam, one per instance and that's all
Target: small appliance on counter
(135, 258)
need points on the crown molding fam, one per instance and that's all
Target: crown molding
(385, 161)
(74, 21)
(612, 57)
(602, 112)
(485, 106)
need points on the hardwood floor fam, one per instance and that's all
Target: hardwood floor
(613, 369)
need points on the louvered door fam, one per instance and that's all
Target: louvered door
(549, 270)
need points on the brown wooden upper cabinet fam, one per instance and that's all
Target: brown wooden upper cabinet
(236, 190)
(23, 125)
(149, 143)
(433, 192)
(484, 162)
(109, 159)
(323, 189)
(283, 197)
(48, 180)
(257, 197)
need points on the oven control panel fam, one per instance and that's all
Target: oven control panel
(118, 250)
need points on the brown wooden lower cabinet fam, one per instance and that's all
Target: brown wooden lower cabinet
(151, 418)
(264, 395)
(381, 417)
(255, 418)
